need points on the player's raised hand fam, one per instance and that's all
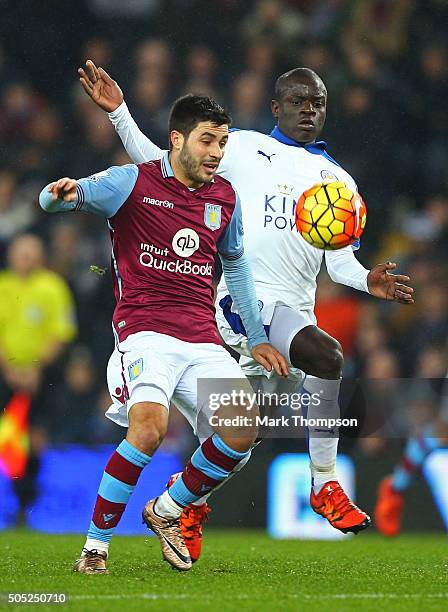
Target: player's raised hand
(103, 90)
(63, 189)
(383, 284)
(269, 357)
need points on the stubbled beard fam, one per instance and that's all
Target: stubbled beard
(190, 166)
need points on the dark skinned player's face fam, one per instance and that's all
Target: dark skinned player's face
(301, 109)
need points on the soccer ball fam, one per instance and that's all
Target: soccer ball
(330, 215)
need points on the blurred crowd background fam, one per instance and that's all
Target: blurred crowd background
(385, 65)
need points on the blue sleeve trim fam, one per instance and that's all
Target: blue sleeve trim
(81, 197)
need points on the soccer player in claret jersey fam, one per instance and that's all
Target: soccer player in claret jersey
(270, 172)
(167, 220)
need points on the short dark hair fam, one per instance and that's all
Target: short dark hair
(190, 110)
(295, 74)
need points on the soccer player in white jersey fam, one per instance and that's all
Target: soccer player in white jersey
(270, 172)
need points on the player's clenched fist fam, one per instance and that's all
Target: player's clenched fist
(63, 189)
(269, 357)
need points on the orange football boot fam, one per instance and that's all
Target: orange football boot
(388, 509)
(191, 521)
(333, 503)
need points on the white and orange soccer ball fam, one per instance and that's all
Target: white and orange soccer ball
(330, 215)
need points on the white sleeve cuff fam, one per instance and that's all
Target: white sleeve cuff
(344, 268)
(119, 112)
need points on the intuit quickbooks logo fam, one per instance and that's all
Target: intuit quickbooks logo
(154, 257)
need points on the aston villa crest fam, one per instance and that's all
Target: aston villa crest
(212, 216)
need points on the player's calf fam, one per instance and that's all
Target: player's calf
(147, 425)
(209, 467)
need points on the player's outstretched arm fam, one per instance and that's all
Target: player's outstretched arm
(344, 268)
(106, 94)
(102, 193)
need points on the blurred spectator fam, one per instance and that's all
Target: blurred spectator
(73, 399)
(201, 72)
(273, 20)
(99, 50)
(37, 317)
(432, 362)
(153, 59)
(250, 110)
(97, 428)
(17, 209)
(18, 105)
(261, 59)
(381, 23)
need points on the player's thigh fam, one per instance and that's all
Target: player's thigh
(212, 379)
(286, 324)
(144, 369)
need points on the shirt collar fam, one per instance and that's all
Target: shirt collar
(167, 171)
(314, 147)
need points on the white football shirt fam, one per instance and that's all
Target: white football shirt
(269, 177)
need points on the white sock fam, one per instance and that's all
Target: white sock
(92, 544)
(166, 506)
(323, 440)
(202, 500)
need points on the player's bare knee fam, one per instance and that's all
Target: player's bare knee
(330, 359)
(148, 423)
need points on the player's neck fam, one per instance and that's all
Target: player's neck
(180, 173)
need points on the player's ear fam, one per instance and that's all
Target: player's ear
(177, 140)
(274, 108)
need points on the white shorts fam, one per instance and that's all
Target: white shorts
(152, 367)
(281, 322)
